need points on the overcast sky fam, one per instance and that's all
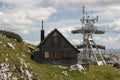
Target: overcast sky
(24, 17)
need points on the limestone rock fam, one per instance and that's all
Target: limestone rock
(76, 67)
(31, 48)
(65, 73)
(10, 45)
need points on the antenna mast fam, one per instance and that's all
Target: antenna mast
(42, 24)
(91, 51)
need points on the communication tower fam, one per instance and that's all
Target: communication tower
(91, 51)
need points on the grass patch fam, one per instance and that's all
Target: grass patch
(50, 72)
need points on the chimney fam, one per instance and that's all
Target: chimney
(42, 32)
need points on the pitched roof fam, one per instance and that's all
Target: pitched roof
(50, 34)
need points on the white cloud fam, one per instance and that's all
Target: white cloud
(21, 14)
(75, 41)
(108, 41)
(24, 16)
(115, 25)
(64, 26)
(66, 30)
(32, 42)
(77, 4)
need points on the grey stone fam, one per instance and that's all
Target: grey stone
(10, 45)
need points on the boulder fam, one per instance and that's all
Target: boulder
(10, 45)
(76, 67)
(31, 48)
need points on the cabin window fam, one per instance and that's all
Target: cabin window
(59, 55)
(46, 54)
(56, 55)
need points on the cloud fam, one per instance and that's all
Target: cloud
(32, 42)
(24, 16)
(66, 30)
(77, 4)
(64, 26)
(108, 41)
(20, 15)
(75, 41)
(115, 25)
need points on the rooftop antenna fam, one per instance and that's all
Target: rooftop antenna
(83, 10)
(82, 20)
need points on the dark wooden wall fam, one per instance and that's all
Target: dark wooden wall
(57, 50)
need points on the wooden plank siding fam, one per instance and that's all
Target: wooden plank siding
(56, 49)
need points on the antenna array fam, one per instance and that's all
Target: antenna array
(91, 51)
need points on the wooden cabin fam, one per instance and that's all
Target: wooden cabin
(57, 50)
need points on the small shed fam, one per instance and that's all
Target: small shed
(57, 50)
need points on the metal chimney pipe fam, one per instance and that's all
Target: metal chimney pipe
(42, 32)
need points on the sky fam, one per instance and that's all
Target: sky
(24, 18)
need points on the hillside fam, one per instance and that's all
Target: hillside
(15, 64)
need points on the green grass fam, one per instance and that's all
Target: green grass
(50, 72)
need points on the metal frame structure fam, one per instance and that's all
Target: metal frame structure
(91, 51)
